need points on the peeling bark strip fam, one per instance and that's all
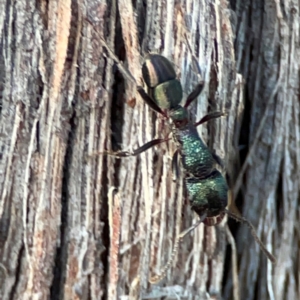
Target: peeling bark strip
(115, 215)
(62, 99)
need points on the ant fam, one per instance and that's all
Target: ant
(206, 187)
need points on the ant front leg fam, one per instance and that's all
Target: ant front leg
(198, 89)
(194, 94)
(149, 100)
(210, 116)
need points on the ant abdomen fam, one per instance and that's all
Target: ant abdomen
(208, 195)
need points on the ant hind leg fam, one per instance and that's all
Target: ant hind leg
(178, 241)
(218, 160)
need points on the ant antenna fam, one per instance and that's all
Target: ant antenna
(194, 59)
(119, 64)
(163, 273)
(253, 232)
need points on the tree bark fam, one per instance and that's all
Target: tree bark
(78, 224)
(267, 55)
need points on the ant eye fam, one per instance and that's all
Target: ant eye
(180, 123)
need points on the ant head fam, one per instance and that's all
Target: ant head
(179, 116)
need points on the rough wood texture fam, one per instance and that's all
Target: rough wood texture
(65, 233)
(267, 54)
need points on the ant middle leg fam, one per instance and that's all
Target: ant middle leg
(210, 116)
(135, 152)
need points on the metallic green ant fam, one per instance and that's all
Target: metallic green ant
(206, 186)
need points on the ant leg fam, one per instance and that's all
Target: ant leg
(135, 152)
(218, 160)
(178, 241)
(253, 232)
(149, 100)
(210, 116)
(175, 166)
(194, 94)
(198, 89)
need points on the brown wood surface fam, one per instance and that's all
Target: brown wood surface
(65, 232)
